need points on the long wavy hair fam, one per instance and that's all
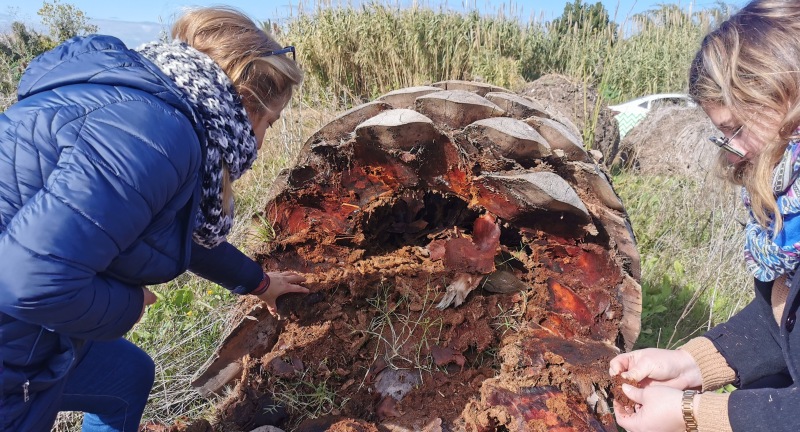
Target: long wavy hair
(239, 47)
(751, 65)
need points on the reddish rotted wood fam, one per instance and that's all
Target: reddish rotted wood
(457, 240)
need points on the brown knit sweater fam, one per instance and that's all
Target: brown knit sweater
(712, 412)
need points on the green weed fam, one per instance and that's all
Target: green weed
(690, 238)
(404, 336)
(307, 397)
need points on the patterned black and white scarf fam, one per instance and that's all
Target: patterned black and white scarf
(229, 133)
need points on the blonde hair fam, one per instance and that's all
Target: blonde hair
(242, 50)
(751, 65)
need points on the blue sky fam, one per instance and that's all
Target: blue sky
(138, 21)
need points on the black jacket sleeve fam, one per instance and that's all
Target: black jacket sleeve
(769, 409)
(227, 266)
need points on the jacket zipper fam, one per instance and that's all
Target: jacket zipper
(25, 390)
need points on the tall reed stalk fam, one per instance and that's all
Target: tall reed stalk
(360, 52)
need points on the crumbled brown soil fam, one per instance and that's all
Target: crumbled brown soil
(462, 367)
(335, 424)
(184, 425)
(618, 394)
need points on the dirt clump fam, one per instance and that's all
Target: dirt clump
(184, 425)
(335, 424)
(618, 394)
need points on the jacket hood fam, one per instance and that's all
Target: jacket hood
(99, 59)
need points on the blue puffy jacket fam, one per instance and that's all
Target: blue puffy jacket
(99, 166)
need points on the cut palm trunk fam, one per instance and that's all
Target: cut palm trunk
(471, 268)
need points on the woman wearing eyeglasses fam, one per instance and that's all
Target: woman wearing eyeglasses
(746, 76)
(115, 173)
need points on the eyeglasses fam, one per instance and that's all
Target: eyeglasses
(288, 49)
(725, 142)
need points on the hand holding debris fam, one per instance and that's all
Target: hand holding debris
(281, 283)
(619, 396)
(653, 366)
(655, 409)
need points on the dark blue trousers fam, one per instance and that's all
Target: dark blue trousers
(111, 385)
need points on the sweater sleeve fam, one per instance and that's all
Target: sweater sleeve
(748, 345)
(227, 266)
(712, 413)
(714, 370)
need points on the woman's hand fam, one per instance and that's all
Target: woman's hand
(653, 366)
(658, 409)
(149, 298)
(281, 283)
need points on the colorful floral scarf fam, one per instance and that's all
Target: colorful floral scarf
(767, 255)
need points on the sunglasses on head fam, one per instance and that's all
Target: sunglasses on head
(288, 49)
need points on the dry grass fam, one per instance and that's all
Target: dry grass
(690, 235)
(360, 52)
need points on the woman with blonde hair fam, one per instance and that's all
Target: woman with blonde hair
(746, 76)
(115, 173)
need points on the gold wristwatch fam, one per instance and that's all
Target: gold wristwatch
(686, 406)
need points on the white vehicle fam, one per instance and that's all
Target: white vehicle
(629, 114)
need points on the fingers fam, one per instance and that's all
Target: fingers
(635, 394)
(630, 366)
(629, 417)
(289, 277)
(298, 289)
(620, 410)
(648, 382)
(149, 297)
(282, 282)
(295, 278)
(637, 374)
(619, 364)
(625, 364)
(624, 415)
